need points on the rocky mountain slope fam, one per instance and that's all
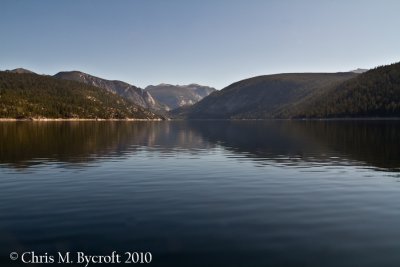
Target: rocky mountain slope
(134, 94)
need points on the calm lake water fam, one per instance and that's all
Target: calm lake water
(272, 193)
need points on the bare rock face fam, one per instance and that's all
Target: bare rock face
(176, 96)
(135, 94)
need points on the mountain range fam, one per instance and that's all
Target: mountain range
(142, 100)
(358, 93)
(159, 99)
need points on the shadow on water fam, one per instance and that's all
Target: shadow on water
(373, 143)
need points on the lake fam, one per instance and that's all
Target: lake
(198, 193)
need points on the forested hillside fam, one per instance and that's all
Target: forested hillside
(26, 95)
(375, 93)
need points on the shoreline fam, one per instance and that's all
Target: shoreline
(74, 119)
(169, 119)
(299, 119)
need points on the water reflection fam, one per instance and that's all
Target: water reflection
(23, 144)
(190, 193)
(373, 143)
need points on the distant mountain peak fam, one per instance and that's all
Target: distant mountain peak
(175, 96)
(359, 70)
(179, 85)
(20, 71)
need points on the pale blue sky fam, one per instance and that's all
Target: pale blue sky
(211, 42)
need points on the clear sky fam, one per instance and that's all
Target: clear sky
(211, 42)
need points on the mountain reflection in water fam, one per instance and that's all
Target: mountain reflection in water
(371, 143)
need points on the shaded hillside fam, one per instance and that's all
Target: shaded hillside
(126, 90)
(34, 96)
(262, 97)
(175, 96)
(375, 93)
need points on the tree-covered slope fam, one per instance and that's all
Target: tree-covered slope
(262, 97)
(375, 93)
(25, 95)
